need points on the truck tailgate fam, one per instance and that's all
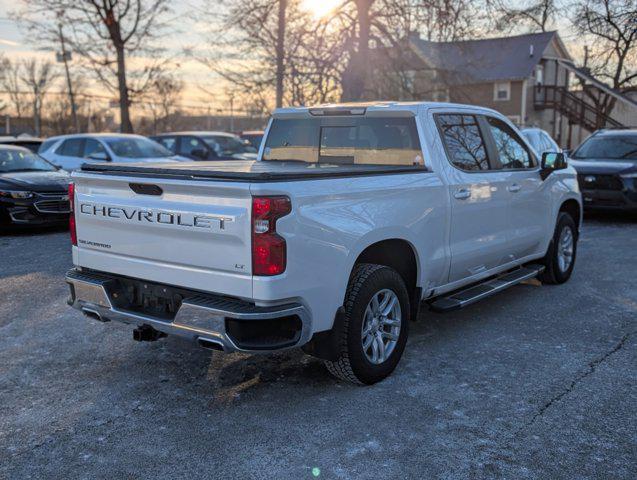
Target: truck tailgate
(194, 234)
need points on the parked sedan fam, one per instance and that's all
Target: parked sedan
(606, 164)
(207, 145)
(540, 140)
(71, 151)
(32, 191)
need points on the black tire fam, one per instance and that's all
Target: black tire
(368, 280)
(553, 274)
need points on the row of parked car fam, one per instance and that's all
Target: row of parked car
(34, 173)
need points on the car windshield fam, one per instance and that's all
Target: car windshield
(19, 160)
(137, 148)
(226, 145)
(611, 147)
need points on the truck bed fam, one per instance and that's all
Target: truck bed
(247, 170)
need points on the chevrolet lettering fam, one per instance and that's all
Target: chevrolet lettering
(161, 217)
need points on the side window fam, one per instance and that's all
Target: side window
(463, 141)
(47, 144)
(188, 144)
(92, 147)
(73, 147)
(511, 150)
(169, 142)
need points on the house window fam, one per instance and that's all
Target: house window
(539, 75)
(502, 91)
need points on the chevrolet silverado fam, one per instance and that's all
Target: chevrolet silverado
(351, 219)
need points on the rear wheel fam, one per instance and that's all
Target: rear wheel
(375, 325)
(560, 257)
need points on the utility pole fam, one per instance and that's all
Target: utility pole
(232, 113)
(65, 57)
(280, 53)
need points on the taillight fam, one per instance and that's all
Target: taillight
(72, 226)
(269, 250)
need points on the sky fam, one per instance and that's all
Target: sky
(15, 44)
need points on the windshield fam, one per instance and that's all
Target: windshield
(611, 147)
(137, 148)
(227, 145)
(23, 161)
(345, 140)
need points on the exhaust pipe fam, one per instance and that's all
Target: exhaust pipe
(90, 313)
(146, 333)
(210, 344)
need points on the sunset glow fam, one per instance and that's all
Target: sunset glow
(320, 8)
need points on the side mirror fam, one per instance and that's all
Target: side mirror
(102, 156)
(552, 161)
(199, 153)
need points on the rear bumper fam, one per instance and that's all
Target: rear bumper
(213, 321)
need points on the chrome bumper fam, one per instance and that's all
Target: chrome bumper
(200, 318)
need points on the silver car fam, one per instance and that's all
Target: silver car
(540, 140)
(71, 151)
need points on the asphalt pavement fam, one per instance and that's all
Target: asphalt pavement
(536, 382)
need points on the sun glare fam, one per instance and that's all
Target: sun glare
(320, 8)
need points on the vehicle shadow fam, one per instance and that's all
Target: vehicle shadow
(610, 217)
(16, 231)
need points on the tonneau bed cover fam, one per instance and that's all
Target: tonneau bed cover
(247, 170)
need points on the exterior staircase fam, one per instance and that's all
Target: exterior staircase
(577, 110)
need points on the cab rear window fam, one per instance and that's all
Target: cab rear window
(344, 140)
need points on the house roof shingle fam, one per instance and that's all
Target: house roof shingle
(486, 60)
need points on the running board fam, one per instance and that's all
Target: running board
(462, 298)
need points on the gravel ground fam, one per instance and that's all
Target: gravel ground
(537, 382)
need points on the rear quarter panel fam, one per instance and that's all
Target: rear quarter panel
(334, 220)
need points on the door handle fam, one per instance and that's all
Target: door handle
(514, 188)
(462, 194)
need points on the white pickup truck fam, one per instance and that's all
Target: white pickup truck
(351, 218)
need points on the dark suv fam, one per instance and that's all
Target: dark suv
(606, 164)
(207, 145)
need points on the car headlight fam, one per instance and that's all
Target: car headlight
(15, 194)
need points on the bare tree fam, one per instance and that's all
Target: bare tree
(3, 71)
(49, 28)
(450, 20)
(612, 24)
(389, 23)
(105, 33)
(37, 76)
(12, 84)
(534, 16)
(58, 107)
(262, 59)
(163, 101)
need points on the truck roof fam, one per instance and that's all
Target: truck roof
(364, 108)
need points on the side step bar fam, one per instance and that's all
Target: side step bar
(462, 298)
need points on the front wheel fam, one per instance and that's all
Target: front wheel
(375, 325)
(560, 257)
